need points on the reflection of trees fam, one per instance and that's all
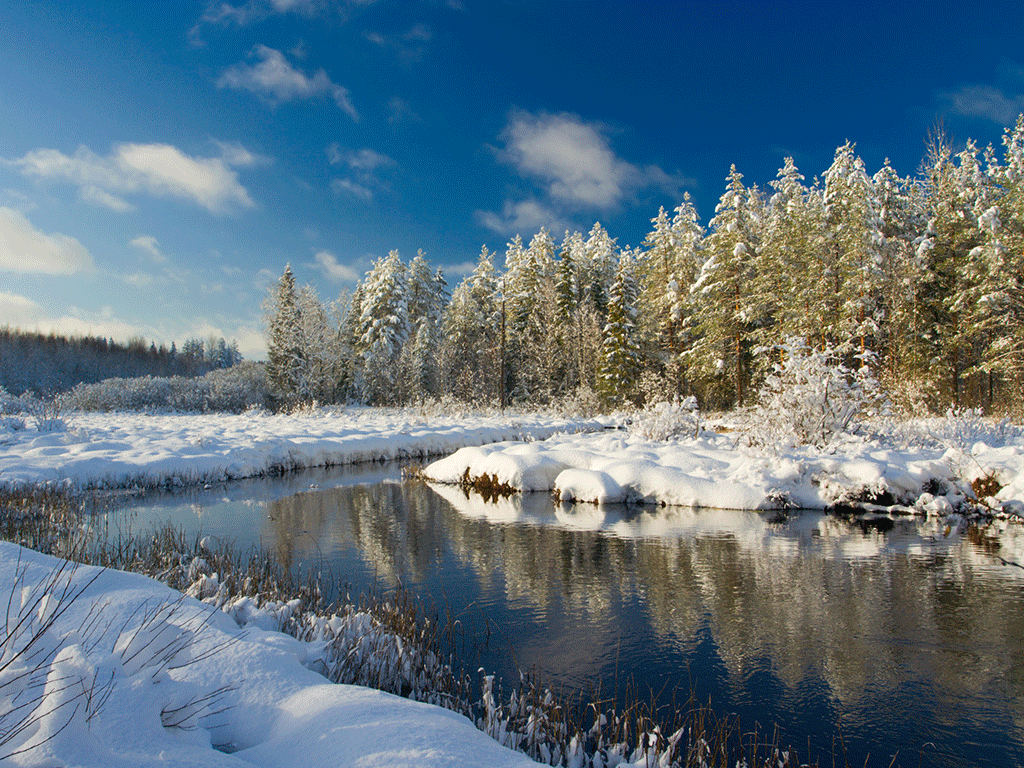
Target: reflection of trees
(816, 597)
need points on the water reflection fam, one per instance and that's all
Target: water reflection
(892, 632)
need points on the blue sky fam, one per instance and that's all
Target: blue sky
(161, 162)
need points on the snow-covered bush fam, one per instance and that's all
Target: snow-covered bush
(811, 397)
(663, 421)
(583, 403)
(8, 403)
(233, 390)
(46, 411)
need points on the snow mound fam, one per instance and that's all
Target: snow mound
(104, 668)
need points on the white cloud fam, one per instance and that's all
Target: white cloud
(571, 157)
(159, 169)
(360, 160)
(335, 271)
(462, 269)
(352, 188)
(574, 168)
(18, 311)
(25, 249)
(364, 166)
(164, 169)
(987, 102)
(278, 81)
(138, 279)
(97, 196)
(149, 244)
(29, 315)
(237, 155)
(400, 111)
(523, 216)
(409, 46)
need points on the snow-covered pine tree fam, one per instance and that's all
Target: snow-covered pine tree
(534, 354)
(471, 344)
(996, 293)
(793, 231)
(428, 296)
(952, 234)
(721, 297)
(904, 356)
(669, 266)
(284, 339)
(596, 271)
(852, 266)
(349, 309)
(384, 325)
(619, 371)
(321, 353)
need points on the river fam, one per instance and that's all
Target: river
(863, 639)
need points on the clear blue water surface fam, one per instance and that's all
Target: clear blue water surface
(863, 640)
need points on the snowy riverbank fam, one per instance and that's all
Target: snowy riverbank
(923, 466)
(916, 467)
(106, 668)
(97, 450)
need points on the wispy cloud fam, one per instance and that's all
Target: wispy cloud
(985, 101)
(149, 244)
(409, 47)
(274, 79)
(364, 168)
(524, 216)
(25, 249)
(400, 111)
(328, 263)
(158, 169)
(572, 165)
(224, 14)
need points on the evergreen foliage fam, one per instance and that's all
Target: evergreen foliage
(921, 277)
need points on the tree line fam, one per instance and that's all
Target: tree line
(47, 364)
(919, 278)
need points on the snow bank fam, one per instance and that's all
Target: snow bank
(122, 449)
(126, 672)
(715, 470)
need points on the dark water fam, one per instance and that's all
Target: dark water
(899, 637)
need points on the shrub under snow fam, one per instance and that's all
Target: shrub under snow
(811, 397)
(232, 390)
(663, 421)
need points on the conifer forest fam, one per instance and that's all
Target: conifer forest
(919, 278)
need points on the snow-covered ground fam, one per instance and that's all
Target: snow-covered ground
(927, 465)
(105, 668)
(123, 449)
(929, 471)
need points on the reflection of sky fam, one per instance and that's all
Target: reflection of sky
(893, 630)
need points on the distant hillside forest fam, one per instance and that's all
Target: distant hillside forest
(919, 280)
(50, 364)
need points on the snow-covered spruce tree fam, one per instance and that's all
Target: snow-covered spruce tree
(321, 358)
(285, 359)
(995, 297)
(534, 353)
(851, 268)
(427, 297)
(721, 298)
(668, 267)
(579, 278)
(951, 209)
(348, 309)
(384, 326)
(471, 343)
(619, 371)
(811, 397)
(904, 356)
(792, 234)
